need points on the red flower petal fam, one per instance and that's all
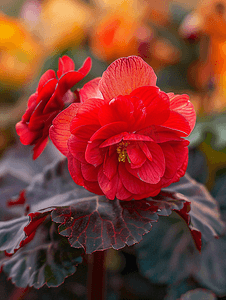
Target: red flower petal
(90, 90)
(110, 165)
(89, 172)
(94, 154)
(59, 132)
(114, 139)
(156, 102)
(39, 147)
(145, 150)
(117, 110)
(137, 137)
(109, 130)
(85, 68)
(161, 134)
(87, 114)
(126, 137)
(178, 122)
(85, 131)
(181, 153)
(48, 75)
(74, 167)
(93, 187)
(136, 155)
(171, 164)
(125, 75)
(27, 137)
(65, 64)
(66, 82)
(31, 106)
(42, 99)
(122, 193)
(77, 148)
(151, 171)
(182, 105)
(108, 186)
(135, 185)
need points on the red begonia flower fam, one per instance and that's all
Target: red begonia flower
(50, 98)
(125, 139)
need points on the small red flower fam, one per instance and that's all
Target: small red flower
(49, 99)
(125, 139)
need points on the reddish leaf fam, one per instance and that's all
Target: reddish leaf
(204, 215)
(97, 223)
(47, 259)
(18, 201)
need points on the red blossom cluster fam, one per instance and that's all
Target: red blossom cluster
(50, 98)
(124, 139)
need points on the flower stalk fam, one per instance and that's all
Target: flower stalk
(96, 283)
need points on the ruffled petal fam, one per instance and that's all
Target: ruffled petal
(31, 106)
(170, 162)
(136, 155)
(90, 90)
(85, 68)
(161, 134)
(122, 193)
(27, 137)
(117, 110)
(178, 122)
(85, 131)
(151, 171)
(156, 102)
(59, 132)
(135, 185)
(94, 155)
(125, 75)
(114, 140)
(181, 152)
(109, 130)
(77, 148)
(145, 150)
(93, 187)
(87, 114)
(74, 167)
(89, 172)
(48, 75)
(182, 105)
(108, 186)
(110, 165)
(65, 64)
(66, 82)
(39, 147)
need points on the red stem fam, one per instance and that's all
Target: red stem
(96, 276)
(18, 293)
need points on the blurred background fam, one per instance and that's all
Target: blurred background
(185, 43)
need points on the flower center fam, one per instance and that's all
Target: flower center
(122, 153)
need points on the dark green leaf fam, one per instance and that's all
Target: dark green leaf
(205, 215)
(168, 253)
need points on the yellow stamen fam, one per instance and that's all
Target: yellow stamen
(122, 153)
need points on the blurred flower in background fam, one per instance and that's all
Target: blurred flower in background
(124, 28)
(62, 24)
(208, 21)
(21, 53)
(116, 31)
